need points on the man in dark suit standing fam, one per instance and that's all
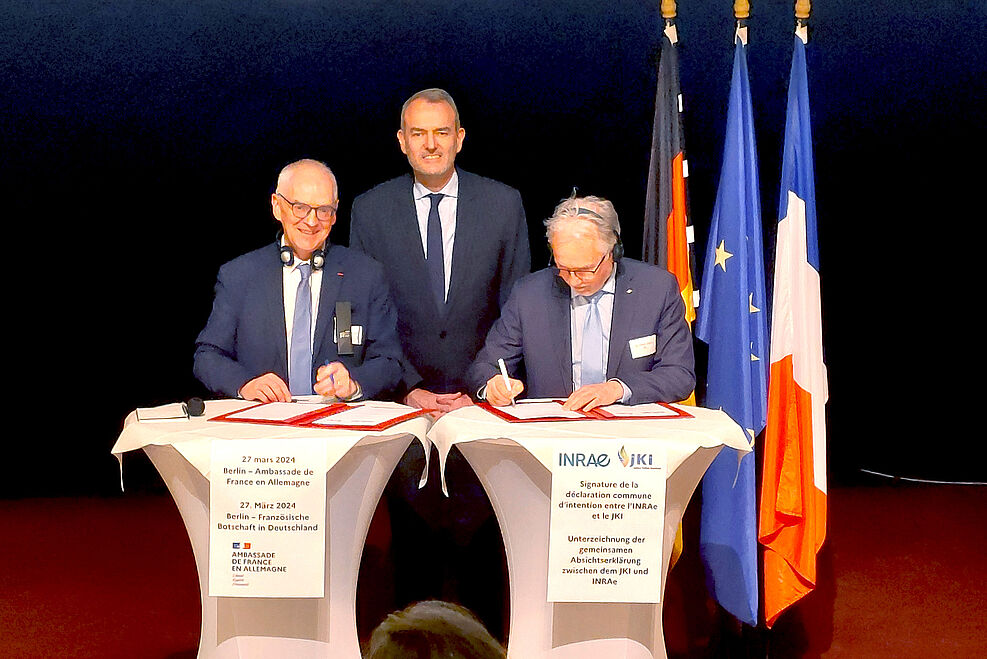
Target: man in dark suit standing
(595, 328)
(452, 244)
(272, 333)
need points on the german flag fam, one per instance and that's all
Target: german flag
(668, 239)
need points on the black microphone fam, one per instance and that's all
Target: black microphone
(195, 407)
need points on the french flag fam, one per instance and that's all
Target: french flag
(792, 523)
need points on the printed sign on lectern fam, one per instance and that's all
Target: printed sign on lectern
(607, 522)
(267, 514)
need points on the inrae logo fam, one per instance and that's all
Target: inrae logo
(583, 460)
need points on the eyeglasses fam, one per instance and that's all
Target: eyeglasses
(581, 272)
(302, 210)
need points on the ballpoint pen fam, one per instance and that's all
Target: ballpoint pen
(503, 374)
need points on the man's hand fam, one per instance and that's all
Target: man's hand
(439, 404)
(589, 396)
(498, 393)
(453, 401)
(334, 380)
(267, 388)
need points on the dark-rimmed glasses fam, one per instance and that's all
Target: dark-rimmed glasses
(580, 272)
(301, 210)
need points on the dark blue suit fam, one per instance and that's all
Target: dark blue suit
(489, 254)
(534, 329)
(245, 335)
(445, 548)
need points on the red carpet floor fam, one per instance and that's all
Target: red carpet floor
(904, 576)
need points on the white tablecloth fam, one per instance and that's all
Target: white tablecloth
(191, 437)
(707, 428)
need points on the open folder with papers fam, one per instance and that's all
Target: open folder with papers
(369, 415)
(541, 410)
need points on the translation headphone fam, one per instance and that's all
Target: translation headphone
(618, 248)
(288, 256)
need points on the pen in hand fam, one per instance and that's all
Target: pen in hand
(330, 397)
(503, 374)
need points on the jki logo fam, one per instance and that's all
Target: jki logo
(636, 460)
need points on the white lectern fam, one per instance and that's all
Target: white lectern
(357, 469)
(513, 462)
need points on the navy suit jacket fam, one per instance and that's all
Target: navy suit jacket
(534, 330)
(245, 335)
(489, 254)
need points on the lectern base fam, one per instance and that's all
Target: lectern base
(238, 627)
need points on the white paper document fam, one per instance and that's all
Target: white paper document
(274, 412)
(267, 516)
(363, 415)
(540, 410)
(643, 410)
(607, 522)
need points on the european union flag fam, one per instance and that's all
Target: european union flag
(732, 321)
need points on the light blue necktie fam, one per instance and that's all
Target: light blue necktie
(300, 357)
(591, 360)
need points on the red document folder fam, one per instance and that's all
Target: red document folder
(597, 414)
(308, 419)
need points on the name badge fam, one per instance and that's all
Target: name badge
(643, 346)
(356, 335)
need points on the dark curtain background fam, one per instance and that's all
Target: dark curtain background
(139, 142)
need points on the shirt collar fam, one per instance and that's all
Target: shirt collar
(295, 261)
(450, 189)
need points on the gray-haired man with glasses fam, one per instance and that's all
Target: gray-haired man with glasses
(595, 329)
(301, 316)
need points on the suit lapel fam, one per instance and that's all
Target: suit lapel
(561, 331)
(409, 234)
(621, 326)
(405, 225)
(468, 233)
(272, 287)
(324, 340)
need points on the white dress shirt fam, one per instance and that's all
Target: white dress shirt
(447, 218)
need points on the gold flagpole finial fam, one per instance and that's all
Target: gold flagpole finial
(741, 9)
(668, 9)
(802, 8)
